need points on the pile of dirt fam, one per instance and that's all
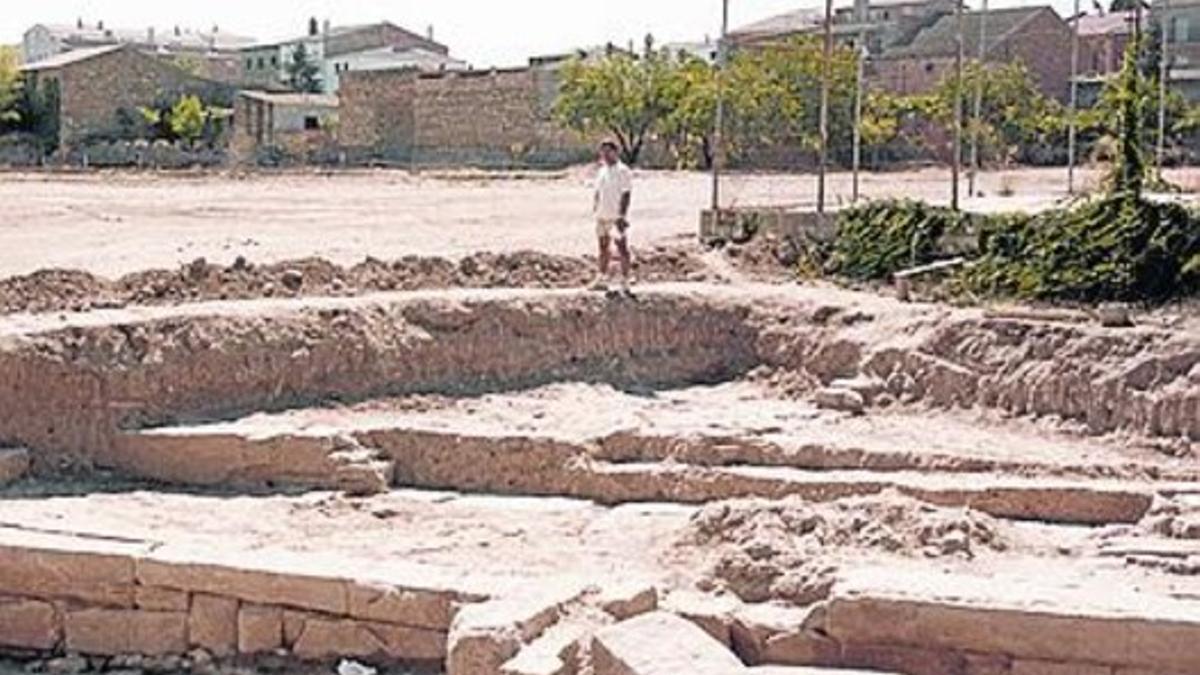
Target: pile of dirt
(788, 549)
(65, 290)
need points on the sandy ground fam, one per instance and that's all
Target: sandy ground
(114, 223)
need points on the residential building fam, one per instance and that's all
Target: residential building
(1102, 41)
(879, 24)
(208, 53)
(1035, 36)
(340, 49)
(1181, 19)
(98, 90)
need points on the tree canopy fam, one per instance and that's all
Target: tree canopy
(10, 85)
(304, 75)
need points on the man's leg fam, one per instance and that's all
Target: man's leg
(605, 258)
(626, 261)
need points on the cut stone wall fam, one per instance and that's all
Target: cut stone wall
(101, 597)
(490, 118)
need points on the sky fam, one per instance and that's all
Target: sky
(483, 32)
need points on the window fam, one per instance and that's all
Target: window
(312, 123)
(274, 60)
(929, 67)
(249, 64)
(261, 64)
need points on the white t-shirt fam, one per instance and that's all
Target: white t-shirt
(612, 182)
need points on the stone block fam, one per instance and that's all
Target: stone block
(121, 631)
(213, 624)
(160, 599)
(14, 463)
(28, 624)
(1027, 667)
(259, 629)
(54, 567)
(660, 644)
(625, 601)
(389, 604)
(322, 638)
(278, 578)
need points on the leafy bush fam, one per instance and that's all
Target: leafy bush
(1120, 247)
(877, 239)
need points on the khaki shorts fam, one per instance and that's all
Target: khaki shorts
(607, 228)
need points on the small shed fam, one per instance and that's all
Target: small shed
(293, 123)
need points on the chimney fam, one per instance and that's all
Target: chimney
(313, 27)
(429, 33)
(177, 31)
(79, 22)
(150, 36)
(326, 27)
(100, 25)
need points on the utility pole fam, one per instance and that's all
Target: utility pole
(1164, 72)
(827, 69)
(1072, 122)
(977, 108)
(858, 116)
(956, 169)
(718, 149)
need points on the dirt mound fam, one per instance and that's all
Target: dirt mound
(67, 290)
(1173, 519)
(788, 549)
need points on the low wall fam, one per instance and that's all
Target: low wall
(102, 597)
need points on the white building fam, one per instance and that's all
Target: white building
(335, 50)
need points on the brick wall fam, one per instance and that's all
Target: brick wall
(1043, 45)
(491, 118)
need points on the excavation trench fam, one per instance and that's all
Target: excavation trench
(636, 410)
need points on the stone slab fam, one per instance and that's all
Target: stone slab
(213, 624)
(1020, 617)
(660, 643)
(63, 567)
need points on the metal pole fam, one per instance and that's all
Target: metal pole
(977, 111)
(958, 107)
(1072, 124)
(1163, 74)
(858, 117)
(719, 122)
(827, 69)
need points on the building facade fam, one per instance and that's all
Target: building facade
(337, 50)
(1036, 36)
(95, 89)
(211, 54)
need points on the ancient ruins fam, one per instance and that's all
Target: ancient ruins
(719, 476)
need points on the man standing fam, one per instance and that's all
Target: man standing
(614, 188)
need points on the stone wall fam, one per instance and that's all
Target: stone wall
(488, 118)
(103, 597)
(94, 90)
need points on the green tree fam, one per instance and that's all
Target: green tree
(10, 86)
(690, 124)
(187, 119)
(620, 95)
(1016, 118)
(303, 72)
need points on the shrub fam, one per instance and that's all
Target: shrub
(878, 239)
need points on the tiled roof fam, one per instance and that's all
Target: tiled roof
(796, 21)
(73, 56)
(1113, 23)
(939, 39)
